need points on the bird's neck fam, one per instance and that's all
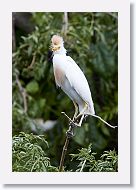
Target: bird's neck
(61, 51)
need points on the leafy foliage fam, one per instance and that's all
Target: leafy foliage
(28, 155)
(108, 161)
(92, 41)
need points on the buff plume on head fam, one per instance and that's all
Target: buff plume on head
(57, 44)
(56, 40)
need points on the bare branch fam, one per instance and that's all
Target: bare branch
(61, 167)
(96, 116)
(69, 135)
(23, 93)
(83, 165)
(33, 62)
(65, 24)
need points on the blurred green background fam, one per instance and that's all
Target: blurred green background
(91, 39)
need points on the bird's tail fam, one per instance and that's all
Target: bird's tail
(90, 109)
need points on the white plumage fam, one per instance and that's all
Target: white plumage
(72, 81)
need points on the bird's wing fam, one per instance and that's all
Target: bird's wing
(78, 81)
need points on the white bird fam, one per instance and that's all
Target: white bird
(70, 78)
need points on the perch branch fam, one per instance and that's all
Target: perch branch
(69, 135)
(61, 167)
(23, 93)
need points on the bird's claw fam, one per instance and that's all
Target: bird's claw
(73, 124)
(77, 125)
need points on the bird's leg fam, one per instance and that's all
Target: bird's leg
(76, 111)
(81, 120)
(82, 112)
(82, 116)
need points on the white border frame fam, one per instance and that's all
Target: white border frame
(6, 174)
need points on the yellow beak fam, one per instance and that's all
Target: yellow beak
(55, 48)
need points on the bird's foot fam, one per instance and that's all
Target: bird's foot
(70, 133)
(77, 125)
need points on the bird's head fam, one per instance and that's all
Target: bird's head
(56, 43)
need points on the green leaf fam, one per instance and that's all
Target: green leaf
(32, 87)
(80, 135)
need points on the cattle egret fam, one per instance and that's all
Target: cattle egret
(70, 78)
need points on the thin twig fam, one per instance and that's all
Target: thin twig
(96, 116)
(68, 118)
(70, 134)
(23, 93)
(33, 62)
(83, 165)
